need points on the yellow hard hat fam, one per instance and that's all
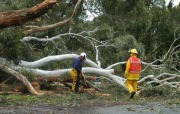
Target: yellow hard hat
(133, 51)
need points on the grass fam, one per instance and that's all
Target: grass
(117, 96)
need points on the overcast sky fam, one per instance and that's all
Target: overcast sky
(176, 2)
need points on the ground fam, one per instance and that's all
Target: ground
(116, 109)
(162, 100)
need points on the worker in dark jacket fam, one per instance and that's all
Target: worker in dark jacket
(132, 73)
(76, 72)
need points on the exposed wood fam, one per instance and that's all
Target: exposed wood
(91, 85)
(48, 79)
(18, 17)
(4, 87)
(82, 89)
(58, 79)
(23, 89)
(20, 77)
(91, 91)
(67, 84)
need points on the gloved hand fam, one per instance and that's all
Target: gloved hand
(81, 74)
(82, 77)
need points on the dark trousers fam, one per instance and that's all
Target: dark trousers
(77, 84)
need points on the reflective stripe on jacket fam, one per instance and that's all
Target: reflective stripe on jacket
(135, 65)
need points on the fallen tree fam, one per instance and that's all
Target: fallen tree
(20, 77)
(93, 68)
(109, 73)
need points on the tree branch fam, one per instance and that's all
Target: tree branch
(18, 17)
(48, 59)
(48, 27)
(21, 78)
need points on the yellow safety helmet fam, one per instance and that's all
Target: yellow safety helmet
(133, 51)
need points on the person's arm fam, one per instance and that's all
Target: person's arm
(127, 68)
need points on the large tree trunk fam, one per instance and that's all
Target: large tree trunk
(21, 78)
(48, 59)
(19, 17)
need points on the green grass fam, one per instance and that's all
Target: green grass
(117, 96)
(17, 99)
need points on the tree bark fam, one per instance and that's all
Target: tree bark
(18, 17)
(21, 78)
(46, 60)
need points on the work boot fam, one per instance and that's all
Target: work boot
(132, 94)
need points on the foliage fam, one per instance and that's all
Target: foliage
(150, 22)
(29, 75)
(117, 96)
(147, 25)
(165, 92)
(10, 44)
(10, 37)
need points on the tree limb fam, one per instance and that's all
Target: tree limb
(21, 78)
(18, 17)
(48, 27)
(48, 59)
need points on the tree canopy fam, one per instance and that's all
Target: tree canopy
(31, 30)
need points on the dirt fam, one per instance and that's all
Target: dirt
(86, 109)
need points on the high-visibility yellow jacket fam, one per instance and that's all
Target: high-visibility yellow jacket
(128, 75)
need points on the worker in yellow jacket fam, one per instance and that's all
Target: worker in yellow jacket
(132, 73)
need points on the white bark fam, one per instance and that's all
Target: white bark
(115, 64)
(119, 80)
(93, 69)
(162, 79)
(89, 70)
(166, 75)
(165, 78)
(46, 60)
(97, 51)
(97, 56)
(56, 73)
(145, 78)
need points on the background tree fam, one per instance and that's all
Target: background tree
(148, 25)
